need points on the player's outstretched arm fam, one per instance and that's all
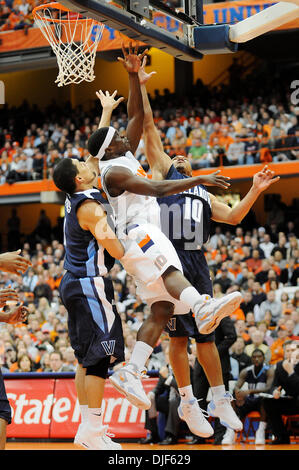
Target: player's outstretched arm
(14, 314)
(8, 294)
(13, 262)
(158, 160)
(109, 103)
(132, 62)
(92, 217)
(233, 216)
(120, 179)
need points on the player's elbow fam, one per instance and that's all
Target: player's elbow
(235, 221)
(160, 190)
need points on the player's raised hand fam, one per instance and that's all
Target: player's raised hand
(264, 178)
(8, 294)
(108, 101)
(14, 314)
(132, 60)
(12, 262)
(143, 76)
(214, 179)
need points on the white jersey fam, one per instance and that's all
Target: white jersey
(148, 252)
(130, 208)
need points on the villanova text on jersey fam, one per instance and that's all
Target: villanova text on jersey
(84, 257)
(185, 217)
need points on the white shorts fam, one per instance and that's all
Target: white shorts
(148, 253)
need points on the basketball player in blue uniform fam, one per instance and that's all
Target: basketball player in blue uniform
(10, 262)
(259, 377)
(94, 325)
(185, 219)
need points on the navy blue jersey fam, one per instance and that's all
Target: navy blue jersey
(256, 381)
(84, 257)
(185, 217)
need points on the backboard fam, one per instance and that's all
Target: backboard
(151, 22)
(178, 29)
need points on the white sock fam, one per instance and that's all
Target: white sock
(218, 391)
(262, 425)
(84, 413)
(192, 297)
(140, 354)
(186, 393)
(95, 417)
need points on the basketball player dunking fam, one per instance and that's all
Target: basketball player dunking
(149, 255)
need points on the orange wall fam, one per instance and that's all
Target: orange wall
(29, 215)
(38, 86)
(211, 66)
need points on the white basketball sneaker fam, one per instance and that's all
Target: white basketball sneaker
(194, 416)
(223, 410)
(94, 439)
(127, 381)
(107, 439)
(260, 436)
(229, 437)
(209, 314)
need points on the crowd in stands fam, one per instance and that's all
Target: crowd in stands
(262, 263)
(17, 14)
(211, 126)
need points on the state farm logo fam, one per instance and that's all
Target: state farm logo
(48, 408)
(27, 410)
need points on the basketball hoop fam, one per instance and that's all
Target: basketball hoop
(74, 40)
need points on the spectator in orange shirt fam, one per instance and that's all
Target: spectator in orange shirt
(254, 263)
(10, 22)
(238, 246)
(237, 315)
(235, 269)
(216, 133)
(225, 139)
(277, 352)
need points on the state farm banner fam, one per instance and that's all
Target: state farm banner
(224, 12)
(48, 408)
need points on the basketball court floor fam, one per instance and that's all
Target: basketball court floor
(152, 447)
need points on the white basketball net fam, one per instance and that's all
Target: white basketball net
(74, 41)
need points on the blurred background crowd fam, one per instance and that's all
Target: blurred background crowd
(261, 262)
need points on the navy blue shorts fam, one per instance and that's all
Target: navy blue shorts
(95, 328)
(5, 410)
(197, 272)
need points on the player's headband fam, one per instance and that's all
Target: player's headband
(106, 143)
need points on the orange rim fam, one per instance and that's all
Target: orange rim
(56, 5)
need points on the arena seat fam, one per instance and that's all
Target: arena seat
(293, 429)
(248, 426)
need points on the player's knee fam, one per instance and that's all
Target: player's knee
(162, 311)
(100, 369)
(178, 343)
